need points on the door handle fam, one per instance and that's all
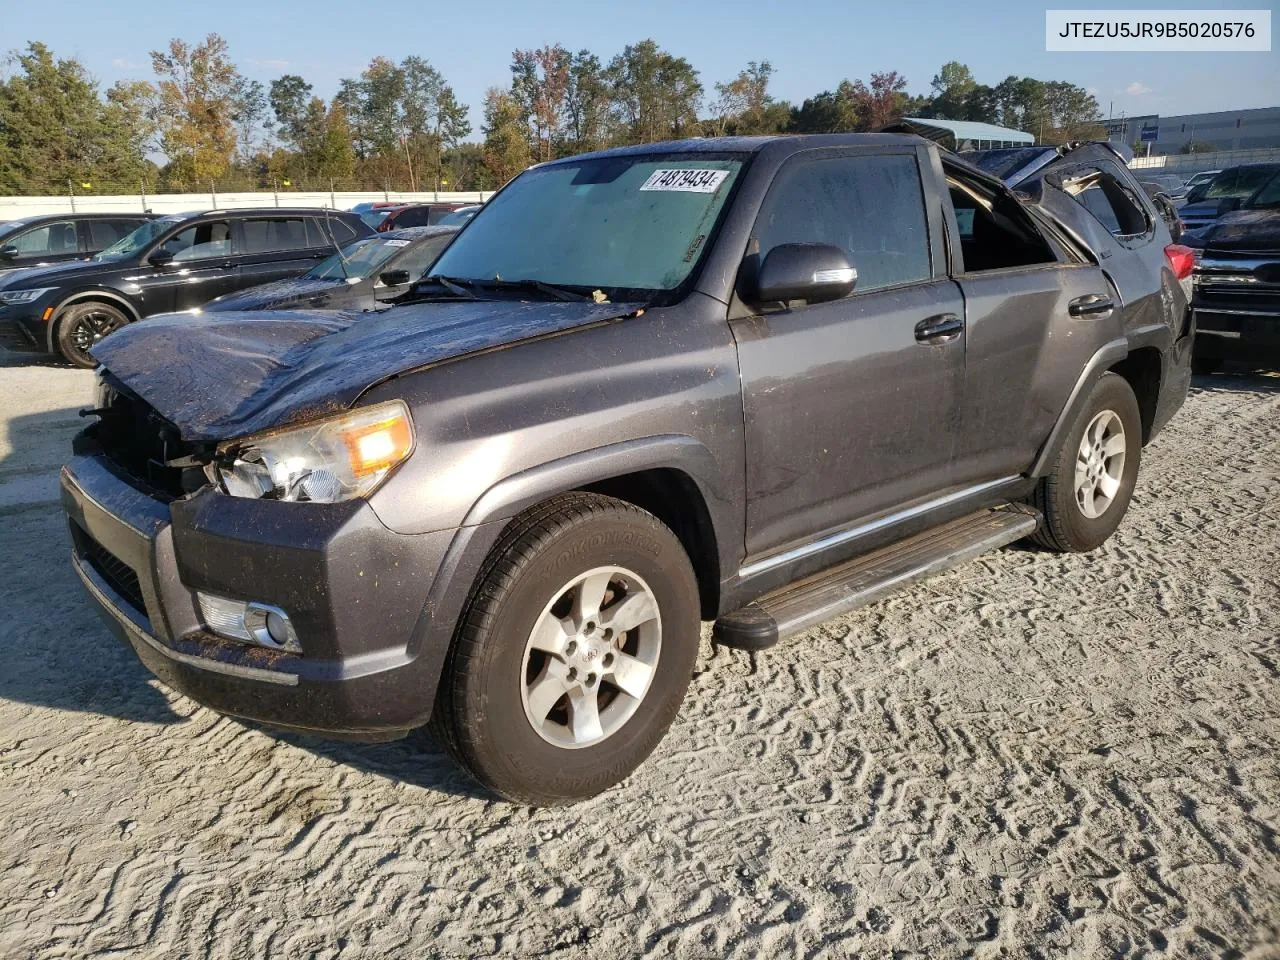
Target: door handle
(942, 328)
(1095, 306)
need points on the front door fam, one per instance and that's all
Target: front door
(851, 406)
(203, 267)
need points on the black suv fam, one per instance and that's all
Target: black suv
(169, 264)
(58, 237)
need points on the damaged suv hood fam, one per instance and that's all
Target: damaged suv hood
(221, 376)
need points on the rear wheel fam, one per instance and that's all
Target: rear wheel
(575, 651)
(1085, 494)
(81, 325)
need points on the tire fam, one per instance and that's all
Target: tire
(81, 325)
(500, 709)
(1065, 504)
(1203, 366)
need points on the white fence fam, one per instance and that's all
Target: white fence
(11, 208)
(1185, 164)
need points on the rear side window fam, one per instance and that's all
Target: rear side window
(1110, 202)
(872, 208)
(103, 233)
(417, 217)
(276, 235)
(51, 238)
(328, 231)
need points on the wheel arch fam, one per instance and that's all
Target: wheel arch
(87, 296)
(670, 476)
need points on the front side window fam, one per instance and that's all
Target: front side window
(871, 207)
(47, 240)
(103, 233)
(632, 226)
(139, 240)
(276, 235)
(200, 242)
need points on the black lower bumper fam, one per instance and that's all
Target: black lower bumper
(1253, 336)
(21, 332)
(356, 592)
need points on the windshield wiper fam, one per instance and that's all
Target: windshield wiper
(541, 286)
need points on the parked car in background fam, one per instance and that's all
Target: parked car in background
(1236, 285)
(57, 238)
(1165, 205)
(167, 264)
(1171, 186)
(1208, 201)
(419, 215)
(459, 216)
(1204, 176)
(360, 276)
(758, 380)
(374, 213)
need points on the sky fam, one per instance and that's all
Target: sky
(812, 45)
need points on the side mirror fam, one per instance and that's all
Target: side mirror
(813, 272)
(394, 278)
(8, 252)
(160, 258)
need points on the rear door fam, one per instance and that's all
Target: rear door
(851, 405)
(275, 248)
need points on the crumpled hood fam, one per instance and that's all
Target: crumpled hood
(225, 375)
(299, 291)
(1244, 230)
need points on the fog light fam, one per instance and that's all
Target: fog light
(250, 621)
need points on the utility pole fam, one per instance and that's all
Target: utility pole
(71, 192)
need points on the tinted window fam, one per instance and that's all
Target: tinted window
(275, 235)
(103, 233)
(329, 231)
(417, 217)
(52, 238)
(872, 208)
(200, 241)
(1239, 182)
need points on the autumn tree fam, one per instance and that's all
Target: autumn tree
(540, 86)
(198, 93)
(506, 149)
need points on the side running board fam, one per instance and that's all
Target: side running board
(855, 583)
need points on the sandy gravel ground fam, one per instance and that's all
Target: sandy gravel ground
(1033, 756)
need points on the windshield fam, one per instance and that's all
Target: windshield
(1239, 183)
(1267, 196)
(631, 226)
(357, 260)
(140, 239)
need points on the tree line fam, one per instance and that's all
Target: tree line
(400, 126)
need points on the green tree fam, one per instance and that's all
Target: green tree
(743, 105)
(587, 105)
(289, 96)
(833, 111)
(52, 126)
(506, 149)
(952, 87)
(655, 95)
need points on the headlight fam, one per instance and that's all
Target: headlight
(23, 296)
(326, 461)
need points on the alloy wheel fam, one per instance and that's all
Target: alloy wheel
(1100, 464)
(591, 657)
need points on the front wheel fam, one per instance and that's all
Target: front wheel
(1085, 494)
(81, 325)
(574, 653)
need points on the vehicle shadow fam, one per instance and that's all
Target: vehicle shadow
(57, 654)
(1239, 378)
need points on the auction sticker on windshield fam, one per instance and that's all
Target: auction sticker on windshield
(685, 181)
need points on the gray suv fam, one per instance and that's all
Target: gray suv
(753, 381)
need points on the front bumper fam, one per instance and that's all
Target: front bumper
(22, 329)
(356, 593)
